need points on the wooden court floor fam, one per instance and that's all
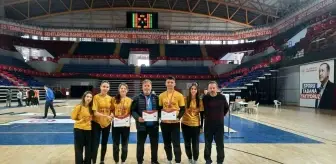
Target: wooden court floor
(307, 126)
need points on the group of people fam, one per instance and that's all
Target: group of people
(96, 115)
(30, 96)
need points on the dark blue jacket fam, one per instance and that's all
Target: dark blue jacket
(139, 105)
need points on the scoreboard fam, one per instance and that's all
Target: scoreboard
(142, 20)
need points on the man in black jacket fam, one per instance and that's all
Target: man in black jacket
(327, 88)
(146, 101)
(215, 108)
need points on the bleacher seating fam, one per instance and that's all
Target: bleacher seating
(240, 81)
(183, 51)
(11, 61)
(55, 48)
(82, 68)
(27, 79)
(95, 48)
(5, 82)
(201, 70)
(154, 49)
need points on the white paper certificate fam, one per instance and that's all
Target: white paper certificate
(166, 116)
(121, 122)
(150, 115)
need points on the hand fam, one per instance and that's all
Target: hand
(109, 117)
(141, 119)
(89, 118)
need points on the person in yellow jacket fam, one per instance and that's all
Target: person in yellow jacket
(82, 114)
(121, 109)
(101, 123)
(192, 123)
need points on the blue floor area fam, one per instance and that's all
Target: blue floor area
(55, 134)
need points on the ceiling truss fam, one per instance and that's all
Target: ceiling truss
(246, 13)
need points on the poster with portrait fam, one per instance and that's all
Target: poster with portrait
(317, 85)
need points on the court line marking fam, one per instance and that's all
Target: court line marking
(254, 155)
(283, 127)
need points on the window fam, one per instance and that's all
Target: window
(25, 36)
(143, 62)
(73, 39)
(34, 37)
(64, 39)
(45, 38)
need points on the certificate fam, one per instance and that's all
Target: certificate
(168, 115)
(122, 121)
(150, 115)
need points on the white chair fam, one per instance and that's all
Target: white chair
(255, 108)
(277, 104)
(250, 107)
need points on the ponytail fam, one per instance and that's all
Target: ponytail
(118, 98)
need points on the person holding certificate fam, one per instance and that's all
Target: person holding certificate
(121, 109)
(172, 104)
(192, 122)
(82, 114)
(101, 123)
(145, 110)
(215, 108)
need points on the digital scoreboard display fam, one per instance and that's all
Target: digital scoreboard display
(142, 20)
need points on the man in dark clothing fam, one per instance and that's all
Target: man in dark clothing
(215, 108)
(31, 95)
(326, 89)
(149, 102)
(50, 96)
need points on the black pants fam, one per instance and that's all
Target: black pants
(214, 132)
(171, 134)
(153, 133)
(46, 108)
(191, 139)
(123, 133)
(82, 139)
(96, 131)
(29, 101)
(19, 102)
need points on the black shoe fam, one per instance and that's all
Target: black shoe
(102, 162)
(155, 163)
(44, 117)
(55, 117)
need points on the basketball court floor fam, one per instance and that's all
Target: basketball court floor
(290, 135)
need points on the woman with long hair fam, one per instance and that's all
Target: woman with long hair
(82, 114)
(121, 109)
(101, 123)
(192, 122)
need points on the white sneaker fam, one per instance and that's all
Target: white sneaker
(191, 161)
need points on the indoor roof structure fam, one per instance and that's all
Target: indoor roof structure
(227, 15)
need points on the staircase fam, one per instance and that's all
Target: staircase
(117, 49)
(203, 50)
(70, 53)
(212, 70)
(73, 48)
(10, 77)
(137, 70)
(162, 50)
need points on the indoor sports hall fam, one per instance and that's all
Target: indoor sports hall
(272, 60)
